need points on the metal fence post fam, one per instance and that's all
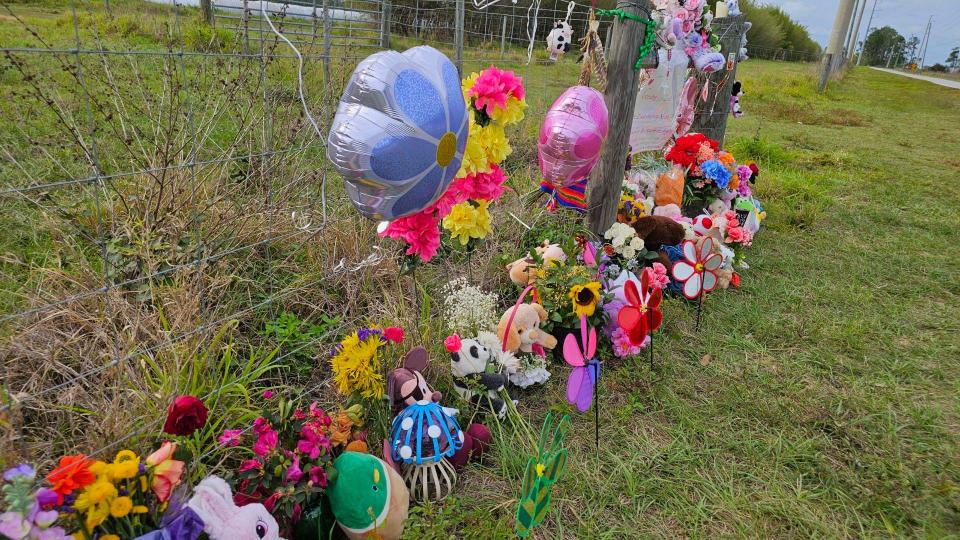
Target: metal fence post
(458, 36)
(503, 38)
(385, 24)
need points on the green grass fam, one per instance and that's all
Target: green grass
(819, 400)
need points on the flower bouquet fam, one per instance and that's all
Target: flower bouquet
(124, 498)
(711, 173)
(568, 290)
(289, 456)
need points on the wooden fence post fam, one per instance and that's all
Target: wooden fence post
(711, 120)
(206, 7)
(621, 97)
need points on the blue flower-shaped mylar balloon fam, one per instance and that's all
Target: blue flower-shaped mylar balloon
(400, 131)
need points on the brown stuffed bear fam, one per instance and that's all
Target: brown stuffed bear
(523, 271)
(657, 231)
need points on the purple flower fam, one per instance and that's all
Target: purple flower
(13, 525)
(46, 497)
(364, 333)
(20, 471)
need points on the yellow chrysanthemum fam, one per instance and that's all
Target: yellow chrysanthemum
(96, 515)
(585, 298)
(101, 491)
(469, 219)
(121, 506)
(109, 537)
(494, 142)
(356, 367)
(513, 112)
(125, 465)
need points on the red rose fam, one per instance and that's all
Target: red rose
(393, 334)
(756, 172)
(735, 280)
(185, 415)
(684, 152)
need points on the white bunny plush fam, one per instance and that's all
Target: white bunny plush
(223, 520)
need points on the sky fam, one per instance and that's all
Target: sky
(909, 17)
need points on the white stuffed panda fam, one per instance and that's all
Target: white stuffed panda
(559, 39)
(472, 371)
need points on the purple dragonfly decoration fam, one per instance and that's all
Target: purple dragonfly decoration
(586, 371)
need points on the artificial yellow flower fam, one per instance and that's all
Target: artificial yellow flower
(494, 142)
(140, 509)
(467, 220)
(100, 468)
(474, 156)
(467, 84)
(109, 537)
(356, 367)
(121, 506)
(585, 298)
(126, 464)
(540, 469)
(101, 491)
(513, 112)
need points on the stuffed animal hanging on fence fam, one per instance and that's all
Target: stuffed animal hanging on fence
(559, 39)
(735, 94)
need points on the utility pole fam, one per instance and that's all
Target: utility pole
(835, 46)
(852, 42)
(867, 33)
(621, 97)
(850, 22)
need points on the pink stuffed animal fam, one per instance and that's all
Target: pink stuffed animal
(705, 59)
(223, 520)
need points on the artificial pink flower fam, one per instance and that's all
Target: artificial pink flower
(230, 437)
(452, 343)
(394, 334)
(731, 218)
(486, 186)
(261, 425)
(623, 347)
(266, 442)
(660, 277)
(267, 394)
(298, 414)
(250, 465)
(492, 88)
(421, 231)
(317, 413)
(735, 234)
(297, 512)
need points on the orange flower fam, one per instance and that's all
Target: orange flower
(166, 470)
(340, 429)
(357, 446)
(726, 158)
(71, 474)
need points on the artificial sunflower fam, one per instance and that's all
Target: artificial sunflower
(585, 298)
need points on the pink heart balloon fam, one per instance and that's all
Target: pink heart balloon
(572, 135)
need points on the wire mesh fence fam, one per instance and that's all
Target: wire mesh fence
(162, 187)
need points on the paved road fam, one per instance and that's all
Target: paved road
(942, 82)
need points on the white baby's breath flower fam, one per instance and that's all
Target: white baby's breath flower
(467, 309)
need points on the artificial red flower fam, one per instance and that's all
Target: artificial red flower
(735, 280)
(755, 170)
(185, 415)
(393, 334)
(686, 149)
(71, 474)
(452, 343)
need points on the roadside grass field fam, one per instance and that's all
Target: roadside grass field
(818, 400)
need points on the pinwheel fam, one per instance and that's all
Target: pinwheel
(543, 470)
(586, 371)
(697, 270)
(641, 316)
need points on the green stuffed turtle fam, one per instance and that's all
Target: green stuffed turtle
(369, 499)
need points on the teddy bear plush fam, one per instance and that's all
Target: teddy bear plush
(658, 231)
(669, 187)
(475, 375)
(524, 334)
(523, 271)
(222, 519)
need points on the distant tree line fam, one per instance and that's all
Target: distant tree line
(774, 29)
